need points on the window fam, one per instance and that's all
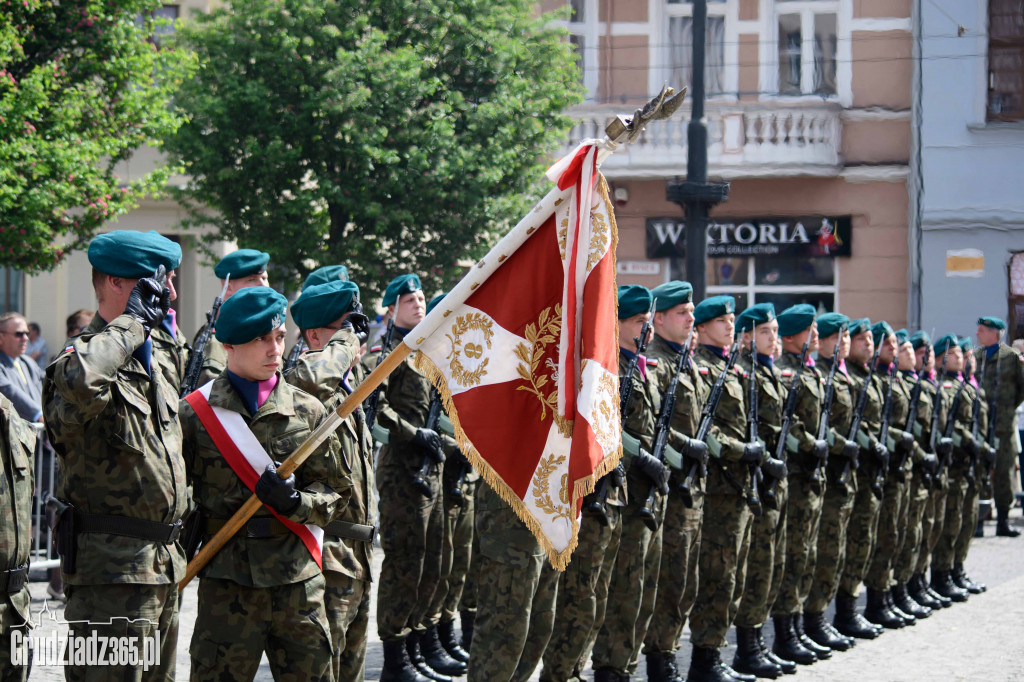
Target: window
(1016, 302)
(10, 290)
(163, 18)
(1005, 60)
(806, 44)
(679, 46)
(577, 34)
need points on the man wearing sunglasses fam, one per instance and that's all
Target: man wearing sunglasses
(21, 380)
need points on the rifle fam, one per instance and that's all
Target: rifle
(769, 495)
(433, 416)
(915, 401)
(195, 361)
(883, 435)
(933, 422)
(370, 406)
(951, 418)
(596, 505)
(753, 501)
(975, 424)
(858, 415)
(293, 356)
(826, 408)
(664, 425)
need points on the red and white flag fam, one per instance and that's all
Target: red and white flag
(524, 352)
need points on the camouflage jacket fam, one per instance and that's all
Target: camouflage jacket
(960, 430)
(929, 397)
(902, 391)
(897, 412)
(17, 487)
(771, 396)
(1010, 391)
(321, 373)
(638, 422)
(841, 417)
(281, 424)
(871, 419)
(170, 354)
(803, 430)
(727, 435)
(215, 358)
(116, 433)
(690, 392)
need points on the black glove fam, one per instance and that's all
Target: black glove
(618, 475)
(655, 471)
(277, 493)
(881, 454)
(972, 447)
(696, 450)
(429, 442)
(752, 452)
(851, 451)
(820, 449)
(930, 463)
(990, 454)
(357, 323)
(775, 468)
(148, 303)
(944, 447)
(905, 444)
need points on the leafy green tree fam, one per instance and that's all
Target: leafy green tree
(386, 135)
(81, 88)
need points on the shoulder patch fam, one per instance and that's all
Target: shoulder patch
(947, 384)
(651, 362)
(787, 373)
(704, 371)
(376, 349)
(68, 349)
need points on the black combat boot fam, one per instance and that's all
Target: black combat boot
(821, 631)
(921, 592)
(788, 666)
(787, 645)
(609, 675)
(661, 667)
(446, 633)
(750, 659)
(397, 666)
(822, 652)
(961, 580)
(907, 618)
(907, 605)
(705, 666)
(437, 658)
(878, 612)
(849, 622)
(943, 584)
(945, 601)
(1003, 527)
(412, 645)
(466, 620)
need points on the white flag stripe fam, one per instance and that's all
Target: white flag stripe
(598, 404)
(546, 496)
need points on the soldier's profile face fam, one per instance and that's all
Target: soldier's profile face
(630, 329)
(259, 359)
(765, 336)
(719, 331)
(906, 359)
(862, 347)
(410, 309)
(987, 336)
(675, 323)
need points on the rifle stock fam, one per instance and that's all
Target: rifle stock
(195, 360)
(769, 493)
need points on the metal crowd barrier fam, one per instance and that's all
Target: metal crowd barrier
(44, 554)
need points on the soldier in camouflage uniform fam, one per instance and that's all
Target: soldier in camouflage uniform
(17, 449)
(245, 268)
(170, 349)
(634, 580)
(984, 457)
(677, 587)
(725, 536)
(1003, 382)
(112, 420)
(325, 315)
(412, 523)
(263, 591)
(833, 328)
(766, 560)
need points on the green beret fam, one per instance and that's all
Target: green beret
(633, 300)
(434, 301)
(713, 307)
(132, 255)
(879, 330)
(242, 263)
(795, 319)
(830, 323)
(322, 304)
(988, 321)
(403, 284)
(965, 344)
(756, 314)
(944, 343)
(920, 338)
(249, 313)
(860, 326)
(902, 336)
(671, 294)
(328, 273)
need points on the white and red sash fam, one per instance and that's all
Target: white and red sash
(247, 458)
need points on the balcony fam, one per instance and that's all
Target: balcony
(744, 142)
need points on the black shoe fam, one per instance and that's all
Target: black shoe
(849, 622)
(1003, 527)
(944, 602)
(788, 667)
(734, 674)
(961, 580)
(661, 667)
(609, 675)
(750, 659)
(917, 590)
(943, 584)
(436, 657)
(820, 632)
(905, 604)
(822, 652)
(878, 612)
(446, 633)
(466, 621)
(705, 666)
(787, 644)
(397, 666)
(412, 645)
(908, 618)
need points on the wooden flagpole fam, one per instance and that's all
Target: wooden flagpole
(315, 440)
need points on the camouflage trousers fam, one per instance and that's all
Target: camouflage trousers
(944, 554)
(924, 551)
(457, 548)
(831, 551)
(633, 590)
(917, 501)
(892, 523)
(970, 521)
(677, 582)
(516, 593)
(939, 493)
(10, 618)
(152, 610)
(347, 602)
(236, 625)
(1002, 476)
(803, 519)
(412, 536)
(576, 613)
(725, 541)
(861, 532)
(766, 561)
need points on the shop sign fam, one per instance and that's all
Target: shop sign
(801, 237)
(638, 267)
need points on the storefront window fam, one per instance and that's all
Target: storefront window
(10, 290)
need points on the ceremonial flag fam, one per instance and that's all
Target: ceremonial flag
(524, 352)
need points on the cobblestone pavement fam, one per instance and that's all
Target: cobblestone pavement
(980, 640)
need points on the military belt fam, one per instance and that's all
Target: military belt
(270, 527)
(12, 580)
(127, 526)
